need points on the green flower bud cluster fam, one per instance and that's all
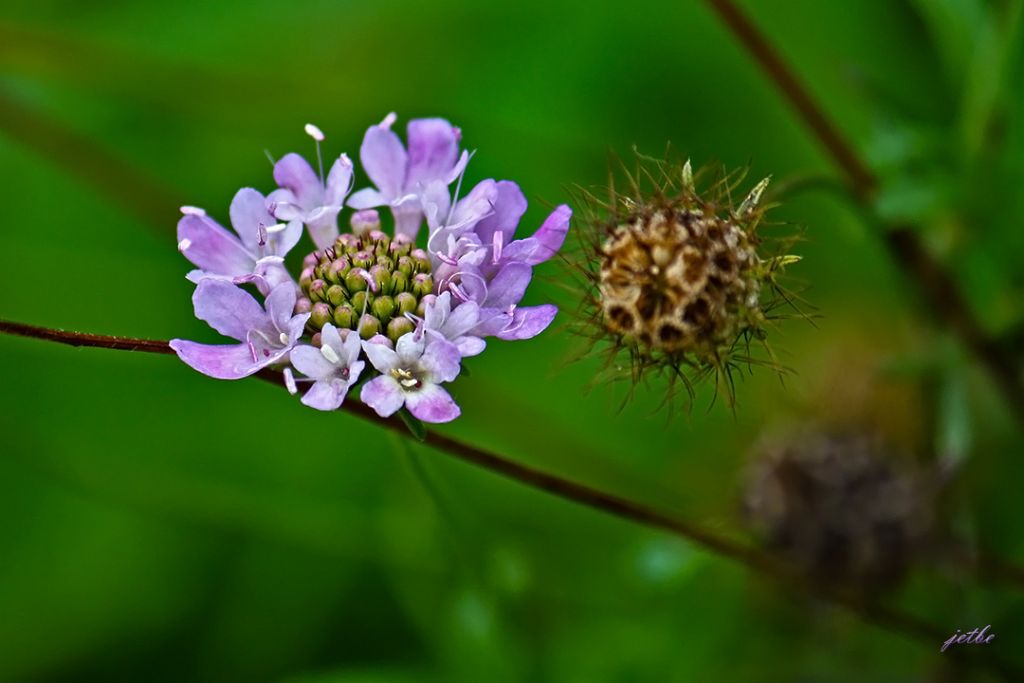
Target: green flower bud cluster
(366, 283)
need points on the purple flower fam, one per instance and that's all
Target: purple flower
(255, 254)
(455, 325)
(411, 375)
(399, 176)
(307, 197)
(335, 367)
(477, 259)
(266, 335)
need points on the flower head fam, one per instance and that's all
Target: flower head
(334, 367)
(411, 375)
(254, 254)
(267, 333)
(400, 176)
(677, 279)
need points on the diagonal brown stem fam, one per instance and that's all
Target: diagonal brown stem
(937, 287)
(749, 556)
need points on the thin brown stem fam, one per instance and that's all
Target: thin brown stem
(566, 489)
(936, 285)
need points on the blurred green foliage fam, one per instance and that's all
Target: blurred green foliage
(162, 526)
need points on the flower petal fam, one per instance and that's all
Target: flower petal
(228, 309)
(470, 346)
(211, 247)
(528, 322)
(409, 348)
(383, 394)
(322, 223)
(248, 212)
(509, 285)
(311, 362)
(281, 305)
(326, 394)
(509, 207)
(294, 173)
(233, 361)
(384, 159)
(551, 234)
(381, 357)
(339, 181)
(432, 404)
(366, 198)
(442, 360)
(433, 150)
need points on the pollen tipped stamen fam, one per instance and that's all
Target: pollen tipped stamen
(499, 239)
(330, 354)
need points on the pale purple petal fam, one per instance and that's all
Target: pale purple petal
(551, 234)
(384, 159)
(470, 346)
(211, 247)
(326, 394)
(383, 394)
(433, 150)
(367, 198)
(409, 348)
(509, 285)
(441, 359)
(431, 404)
(339, 181)
(462, 319)
(233, 361)
(509, 207)
(294, 173)
(381, 357)
(323, 226)
(528, 322)
(228, 309)
(248, 212)
(437, 312)
(311, 362)
(408, 218)
(281, 305)
(350, 347)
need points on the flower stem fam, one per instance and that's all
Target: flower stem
(937, 286)
(711, 541)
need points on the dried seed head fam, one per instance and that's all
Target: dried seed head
(677, 277)
(679, 281)
(838, 508)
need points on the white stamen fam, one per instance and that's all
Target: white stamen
(284, 339)
(389, 120)
(369, 279)
(314, 132)
(409, 383)
(330, 354)
(289, 382)
(274, 229)
(252, 350)
(192, 211)
(184, 244)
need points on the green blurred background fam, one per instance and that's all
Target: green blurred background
(156, 525)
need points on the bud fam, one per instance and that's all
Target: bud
(354, 281)
(344, 317)
(306, 277)
(398, 327)
(401, 245)
(303, 305)
(336, 295)
(406, 266)
(383, 307)
(382, 278)
(363, 259)
(320, 315)
(364, 221)
(338, 269)
(422, 284)
(359, 301)
(318, 290)
(406, 303)
(399, 282)
(368, 326)
(421, 259)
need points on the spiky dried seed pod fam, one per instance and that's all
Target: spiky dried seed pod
(838, 507)
(678, 279)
